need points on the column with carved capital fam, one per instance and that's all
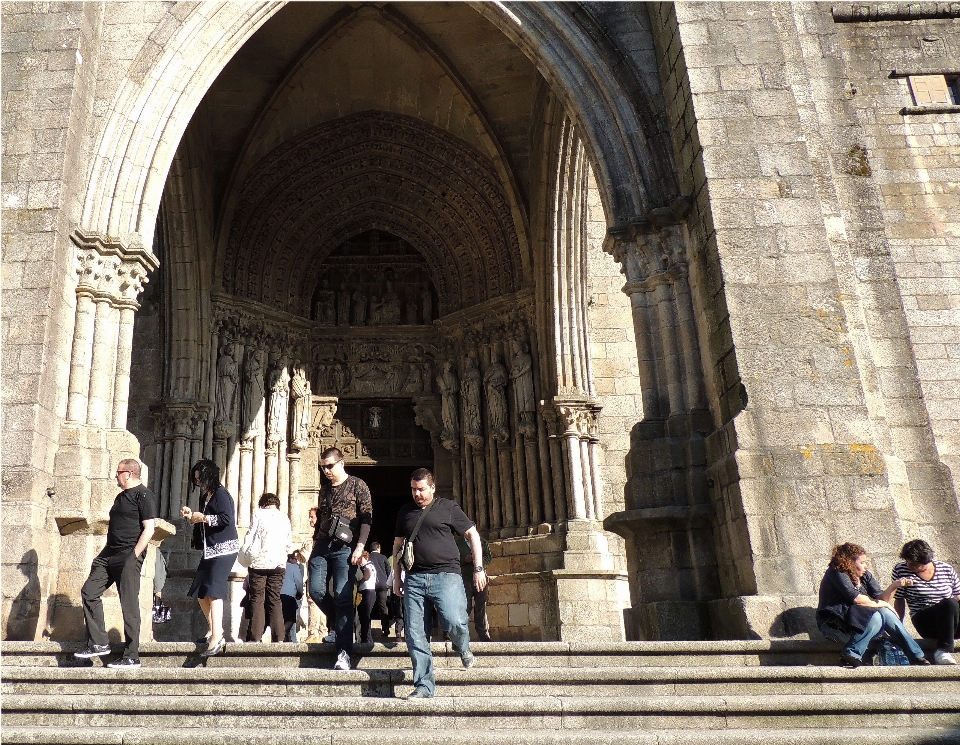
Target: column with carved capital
(568, 413)
(88, 270)
(103, 362)
(132, 278)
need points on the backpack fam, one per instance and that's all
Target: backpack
(889, 654)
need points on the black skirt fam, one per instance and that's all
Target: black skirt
(211, 578)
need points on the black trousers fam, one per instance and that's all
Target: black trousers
(122, 569)
(367, 599)
(940, 622)
(477, 604)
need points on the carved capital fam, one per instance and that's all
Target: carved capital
(651, 246)
(111, 269)
(574, 418)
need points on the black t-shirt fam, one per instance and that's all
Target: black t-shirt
(382, 565)
(131, 507)
(435, 548)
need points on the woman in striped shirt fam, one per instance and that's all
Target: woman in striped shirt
(931, 590)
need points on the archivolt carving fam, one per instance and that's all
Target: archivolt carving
(373, 170)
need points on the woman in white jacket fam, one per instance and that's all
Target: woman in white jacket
(269, 539)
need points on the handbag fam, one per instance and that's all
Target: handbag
(406, 551)
(245, 557)
(339, 526)
(889, 654)
(161, 612)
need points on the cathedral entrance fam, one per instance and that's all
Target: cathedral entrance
(390, 489)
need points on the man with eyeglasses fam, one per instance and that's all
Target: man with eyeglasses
(344, 501)
(132, 520)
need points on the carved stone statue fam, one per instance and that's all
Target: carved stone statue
(343, 305)
(338, 378)
(252, 400)
(279, 383)
(521, 373)
(426, 304)
(391, 306)
(449, 405)
(300, 421)
(324, 310)
(470, 392)
(359, 308)
(376, 310)
(409, 311)
(495, 381)
(228, 376)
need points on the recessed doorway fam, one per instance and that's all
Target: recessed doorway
(390, 490)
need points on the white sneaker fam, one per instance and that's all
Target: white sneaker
(330, 638)
(343, 661)
(942, 657)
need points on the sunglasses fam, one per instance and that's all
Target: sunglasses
(330, 466)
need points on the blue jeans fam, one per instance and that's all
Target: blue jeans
(421, 594)
(326, 562)
(883, 619)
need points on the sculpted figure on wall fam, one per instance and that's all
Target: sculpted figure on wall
(343, 305)
(391, 306)
(228, 376)
(279, 383)
(301, 419)
(449, 406)
(359, 308)
(495, 381)
(521, 373)
(252, 399)
(324, 310)
(470, 392)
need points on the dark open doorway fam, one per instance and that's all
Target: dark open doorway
(390, 490)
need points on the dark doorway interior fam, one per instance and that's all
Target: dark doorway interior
(390, 490)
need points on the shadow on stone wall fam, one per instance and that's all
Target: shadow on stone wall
(796, 621)
(25, 610)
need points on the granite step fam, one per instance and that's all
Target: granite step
(393, 655)
(230, 736)
(487, 713)
(479, 682)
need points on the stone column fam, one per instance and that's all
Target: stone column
(132, 277)
(81, 355)
(244, 501)
(569, 418)
(103, 362)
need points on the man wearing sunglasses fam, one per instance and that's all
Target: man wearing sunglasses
(132, 520)
(344, 517)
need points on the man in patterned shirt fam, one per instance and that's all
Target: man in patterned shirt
(931, 589)
(347, 497)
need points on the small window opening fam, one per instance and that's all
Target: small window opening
(935, 90)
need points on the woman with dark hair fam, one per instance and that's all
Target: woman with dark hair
(854, 610)
(269, 540)
(214, 533)
(932, 592)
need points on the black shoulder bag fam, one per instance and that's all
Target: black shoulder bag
(406, 551)
(339, 525)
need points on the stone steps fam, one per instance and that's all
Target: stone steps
(486, 713)
(229, 736)
(393, 655)
(481, 682)
(524, 693)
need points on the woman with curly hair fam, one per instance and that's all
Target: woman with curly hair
(854, 610)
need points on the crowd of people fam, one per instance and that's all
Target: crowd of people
(437, 569)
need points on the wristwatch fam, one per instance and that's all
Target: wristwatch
(477, 570)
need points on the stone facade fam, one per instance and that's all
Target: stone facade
(666, 294)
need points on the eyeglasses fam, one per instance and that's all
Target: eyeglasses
(330, 466)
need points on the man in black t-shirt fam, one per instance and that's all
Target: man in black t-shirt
(132, 520)
(433, 582)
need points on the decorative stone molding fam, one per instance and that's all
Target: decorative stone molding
(293, 204)
(649, 255)
(896, 11)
